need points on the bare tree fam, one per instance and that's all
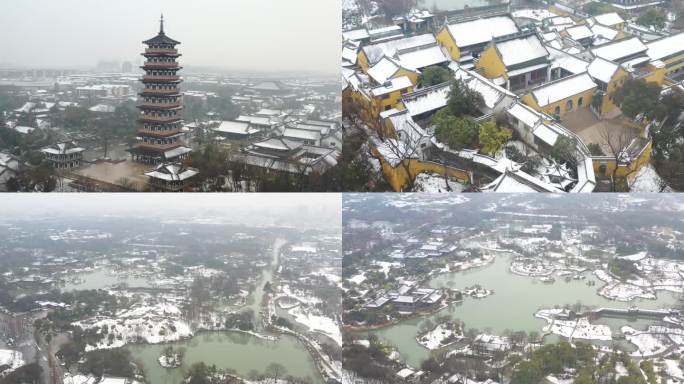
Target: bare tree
(617, 141)
(275, 370)
(405, 149)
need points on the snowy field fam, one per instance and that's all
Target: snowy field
(13, 359)
(437, 337)
(154, 323)
(573, 329)
(317, 323)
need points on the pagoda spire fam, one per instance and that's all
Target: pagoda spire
(161, 24)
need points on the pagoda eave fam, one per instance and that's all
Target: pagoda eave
(157, 54)
(160, 134)
(159, 107)
(159, 94)
(154, 121)
(158, 67)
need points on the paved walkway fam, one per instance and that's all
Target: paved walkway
(589, 128)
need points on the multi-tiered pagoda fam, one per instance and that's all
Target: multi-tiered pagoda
(160, 124)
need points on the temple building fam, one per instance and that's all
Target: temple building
(170, 177)
(159, 136)
(64, 155)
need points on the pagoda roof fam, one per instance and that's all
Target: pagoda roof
(161, 37)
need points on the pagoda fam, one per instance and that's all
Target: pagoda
(160, 134)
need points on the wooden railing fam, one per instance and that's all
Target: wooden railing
(159, 119)
(160, 78)
(153, 51)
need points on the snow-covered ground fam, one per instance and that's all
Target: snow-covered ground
(648, 344)
(437, 337)
(647, 180)
(317, 323)
(12, 358)
(579, 328)
(434, 183)
(358, 279)
(155, 323)
(172, 361)
(477, 292)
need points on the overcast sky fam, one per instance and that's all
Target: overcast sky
(257, 35)
(304, 210)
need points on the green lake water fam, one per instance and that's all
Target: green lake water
(227, 350)
(235, 351)
(512, 306)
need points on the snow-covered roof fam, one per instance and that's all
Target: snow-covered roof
(392, 85)
(23, 129)
(384, 30)
(102, 108)
(533, 14)
(407, 129)
(349, 54)
(374, 52)
(257, 120)
(277, 144)
(480, 31)
(559, 20)
(302, 134)
(112, 380)
(423, 57)
(269, 112)
(529, 68)
(620, 49)
(609, 19)
(172, 172)
(236, 127)
(604, 32)
(521, 50)
(561, 89)
(579, 32)
(524, 114)
(546, 134)
(427, 99)
(517, 181)
(178, 151)
(668, 46)
(568, 62)
(602, 69)
(63, 148)
(356, 34)
(404, 373)
(491, 93)
(383, 70)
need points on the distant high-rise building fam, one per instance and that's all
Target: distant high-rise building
(108, 66)
(160, 125)
(127, 67)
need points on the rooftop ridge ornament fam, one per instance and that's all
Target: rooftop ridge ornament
(161, 24)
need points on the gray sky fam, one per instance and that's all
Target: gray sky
(257, 35)
(304, 210)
